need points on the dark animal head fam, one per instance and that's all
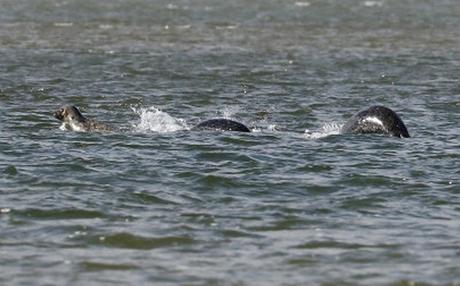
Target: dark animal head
(69, 113)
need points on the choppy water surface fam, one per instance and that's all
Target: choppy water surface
(292, 203)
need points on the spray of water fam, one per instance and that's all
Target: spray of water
(229, 111)
(153, 119)
(332, 128)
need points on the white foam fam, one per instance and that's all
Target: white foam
(153, 119)
(63, 127)
(71, 127)
(171, 6)
(105, 26)
(63, 24)
(373, 3)
(269, 128)
(272, 127)
(302, 4)
(327, 129)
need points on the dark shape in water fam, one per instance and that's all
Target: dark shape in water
(74, 120)
(222, 125)
(376, 119)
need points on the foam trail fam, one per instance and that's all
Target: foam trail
(327, 129)
(153, 119)
(264, 127)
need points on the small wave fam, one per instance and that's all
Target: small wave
(153, 119)
(327, 129)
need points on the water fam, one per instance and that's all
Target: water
(292, 203)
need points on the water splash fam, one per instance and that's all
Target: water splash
(153, 119)
(332, 128)
(264, 128)
(228, 112)
(63, 127)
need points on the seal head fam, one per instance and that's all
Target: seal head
(376, 119)
(69, 113)
(73, 120)
(221, 124)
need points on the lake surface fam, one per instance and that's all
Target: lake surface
(292, 203)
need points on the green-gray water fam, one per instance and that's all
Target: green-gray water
(292, 203)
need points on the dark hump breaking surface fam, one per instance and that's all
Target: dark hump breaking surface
(222, 125)
(376, 119)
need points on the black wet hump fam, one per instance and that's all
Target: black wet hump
(391, 123)
(222, 125)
